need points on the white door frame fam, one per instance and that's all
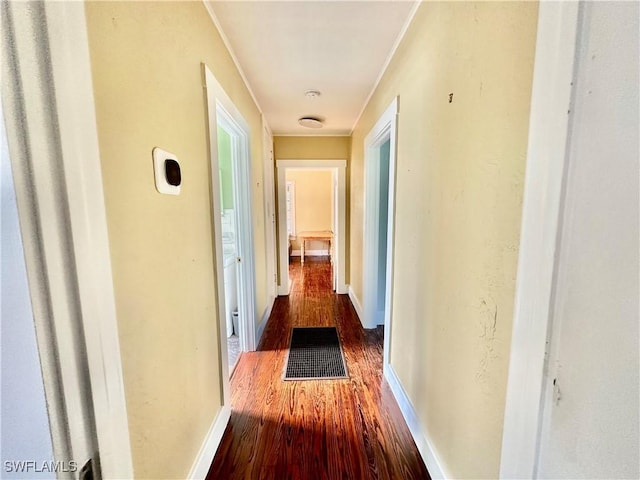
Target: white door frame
(384, 129)
(551, 99)
(241, 170)
(52, 133)
(221, 110)
(290, 193)
(339, 250)
(335, 214)
(269, 213)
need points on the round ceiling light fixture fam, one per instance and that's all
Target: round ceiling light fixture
(310, 122)
(312, 93)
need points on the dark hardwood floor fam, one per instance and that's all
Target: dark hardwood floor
(320, 429)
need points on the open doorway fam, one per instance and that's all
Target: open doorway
(311, 212)
(311, 219)
(229, 221)
(233, 237)
(379, 164)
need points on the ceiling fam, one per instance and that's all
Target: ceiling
(286, 48)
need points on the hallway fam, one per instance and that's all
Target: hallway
(510, 346)
(315, 429)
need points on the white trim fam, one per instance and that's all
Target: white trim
(334, 218)
(311, 253)
(290, 191)
(28, 136)
(383, 70)
(241, 169)
(216, 219)
(269, 197)
(356, 303)
(264, 320)
(551, 97)
(384, 129)
(71, 71)
(220, 108)
(227, 44)
(425, 446)
(56, 162)
(210, 445)
(339, 168)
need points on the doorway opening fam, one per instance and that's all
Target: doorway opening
(379, 166)
(232, 225)
(227, 159)
(311, 212)
(311, 215)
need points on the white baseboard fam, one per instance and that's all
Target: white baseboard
(285, 288)
(425, 447)
(356, 303)
(210, 445)
(311, 253)
(263, 321)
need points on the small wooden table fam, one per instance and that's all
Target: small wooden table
(323, 236)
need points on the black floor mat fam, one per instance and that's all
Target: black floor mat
(315, 353)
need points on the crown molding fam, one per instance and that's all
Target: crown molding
(227, 44)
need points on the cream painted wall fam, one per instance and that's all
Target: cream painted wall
(460, 172)
(146, 64)
(314, 202)
(303, 148)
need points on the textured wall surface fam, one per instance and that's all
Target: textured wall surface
(148, 85)
(463, 77)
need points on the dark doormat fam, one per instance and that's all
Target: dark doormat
(315, 353)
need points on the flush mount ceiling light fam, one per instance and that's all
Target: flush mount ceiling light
(310, 122)
(312, 93)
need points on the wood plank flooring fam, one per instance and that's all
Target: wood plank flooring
(321, 429)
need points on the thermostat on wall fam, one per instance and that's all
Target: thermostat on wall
(166, 169)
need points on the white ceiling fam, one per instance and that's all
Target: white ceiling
(285, 48)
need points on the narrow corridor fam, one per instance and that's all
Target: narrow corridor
(330, 429)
